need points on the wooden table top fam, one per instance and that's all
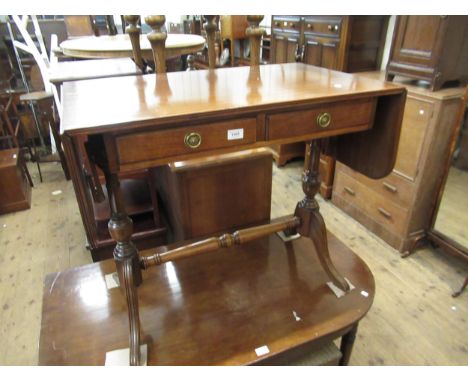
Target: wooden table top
(139, 101)
(214, 309)
(120, 46)
(90, 69)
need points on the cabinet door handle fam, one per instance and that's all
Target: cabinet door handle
(349, 190)
(389, 187)
(384, 212)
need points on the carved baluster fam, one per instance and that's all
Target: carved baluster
(126, 259)
(157, 39)
(210, 29)
(120, 228)
(190, 62)
(134, 32)
(312, 223)
(255, 33)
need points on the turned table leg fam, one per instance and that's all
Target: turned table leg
(312, 224)
(126, 260)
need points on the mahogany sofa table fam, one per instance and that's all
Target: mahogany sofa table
(156, 119)
(212, 310)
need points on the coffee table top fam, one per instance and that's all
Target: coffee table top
(214, 309)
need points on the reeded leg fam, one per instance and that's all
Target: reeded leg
(312, 223)
(127, 261)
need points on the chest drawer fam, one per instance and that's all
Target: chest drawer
(325, 26)
(292, 23)
(343, 117)
(377, 207)
(185, 140)
(393, 187)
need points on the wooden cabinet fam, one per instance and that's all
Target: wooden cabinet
(345, 43)
(216, 193)
(398, 208)
(285, 39)
(15, 191)
(430, 48)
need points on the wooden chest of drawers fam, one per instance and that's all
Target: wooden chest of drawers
(398, 208)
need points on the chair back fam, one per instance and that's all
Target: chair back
(80, 26)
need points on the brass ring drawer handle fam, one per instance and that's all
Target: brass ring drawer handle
(192, 140)
(324, 119)
(385, 213)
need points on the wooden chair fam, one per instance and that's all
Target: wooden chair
(10, 131)
(46, 99)
(80, 26)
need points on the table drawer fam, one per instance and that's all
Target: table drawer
(377, 207)
(353, 115)
(393, 187)
(185, 140)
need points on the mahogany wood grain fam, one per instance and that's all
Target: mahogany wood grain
(271, 89)
(348, 114)
(283, 87)
(170, 142)
(224, 241)
(206, 195)
(199, 311)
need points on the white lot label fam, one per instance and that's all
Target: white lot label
(262, 350)
(235, 134)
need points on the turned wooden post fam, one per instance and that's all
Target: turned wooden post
(157, 39)
(134, 32)
(126, 260)
(210, 29)
(190, 63)
(312, 223)
(255, 33)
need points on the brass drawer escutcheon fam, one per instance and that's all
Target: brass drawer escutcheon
(324, 119)
(192, 140)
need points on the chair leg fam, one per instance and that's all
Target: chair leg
(37, 160)
(460, 291)
(28, 175)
